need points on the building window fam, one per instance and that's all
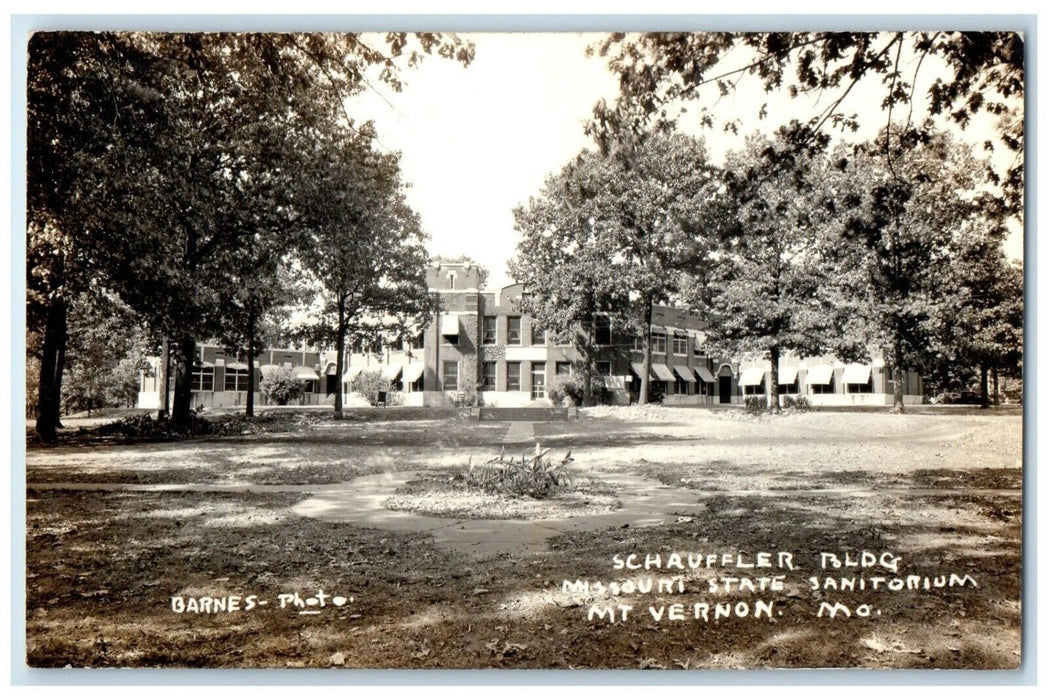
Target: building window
(538, 381)
(490, 336)
(658, 342)
(637, 343)
(754, 390)
(417, 341)
(680, 386)
(204, 379)
(538, 334)
(602, 330)
(866, 388)
(451, 376)
(680, 344)
(451, 280)
(563, 368)
(513, 330)
(512, 376)
(826, 388)
(604, 368)
(490, 374)
(236, 379)
(788, 388)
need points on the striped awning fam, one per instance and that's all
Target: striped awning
(239, 366)
(754, 376)
(820, 374)
(449, 324)
(391, 372)
(638, 368)
(269, 369)
(413, 371)
(704, 374)
(787, 375)
(684, 373)
(856, 374)
(351, 373)
(304, 373)
(662, 372)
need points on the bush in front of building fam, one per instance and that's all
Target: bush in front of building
(565, 390)
(374, 387)
(799, 403)
(280, 387)
(756, 405)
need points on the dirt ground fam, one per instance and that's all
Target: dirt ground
(929, 497)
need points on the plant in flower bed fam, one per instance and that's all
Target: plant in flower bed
(533, 487)
(537, 476)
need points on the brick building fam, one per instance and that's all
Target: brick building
(480, 342)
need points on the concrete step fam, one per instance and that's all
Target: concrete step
(525, 413)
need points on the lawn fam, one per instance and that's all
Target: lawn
(926, 496)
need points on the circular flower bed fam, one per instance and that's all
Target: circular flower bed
(447, 495)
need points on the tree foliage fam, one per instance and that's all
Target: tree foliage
(901, 205)
(955, 76)
(566, 259)
(765, 288)
(363, 245)
(154, 160)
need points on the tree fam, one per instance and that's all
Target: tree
(900, 205)
(979, 308)
(624, 221)
(146, 155)
(89, 96)
(566, 260)
(965, 73)
(766, 280)
(657, 189)
(362, 243)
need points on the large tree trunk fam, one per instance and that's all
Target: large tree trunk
(773, 380)
(587, 360)
(52, 361)
(984, 386)
(645, 375)
(587, 377)
(163, 381)
(996, 388)
(897, 388)
(897, 378)
(249, 406)
(340, 353)
(182, 408)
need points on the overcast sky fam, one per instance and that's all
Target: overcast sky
(477, 141)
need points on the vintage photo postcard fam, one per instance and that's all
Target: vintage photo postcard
(406, 350)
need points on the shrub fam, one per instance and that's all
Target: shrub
(565, 390)
(755, 405)
(537, 476)
(280, 387)
(800, 403)
(369, 384)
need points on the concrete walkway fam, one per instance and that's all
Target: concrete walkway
(519, 432)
